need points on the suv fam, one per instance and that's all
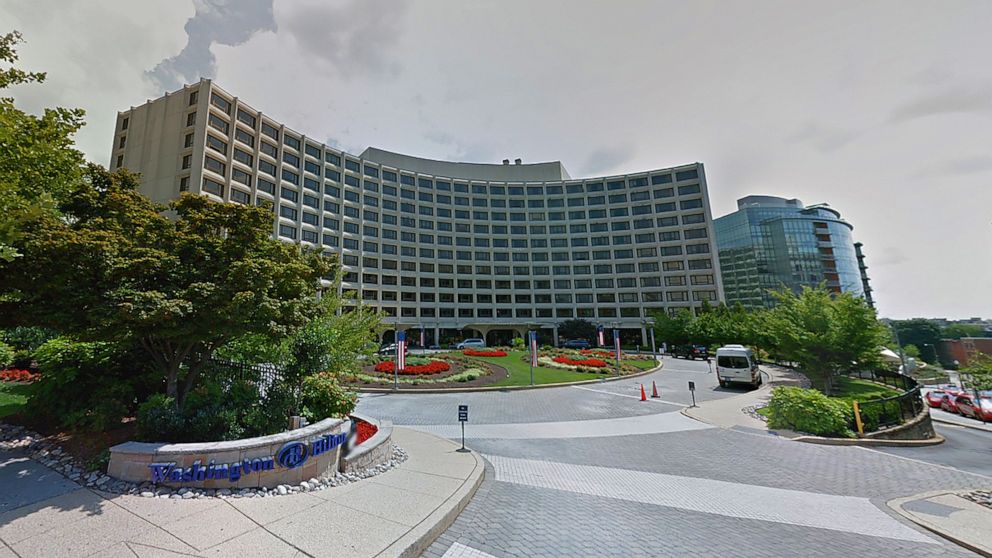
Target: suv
(691, 352)
(475, 343)
(575, 344)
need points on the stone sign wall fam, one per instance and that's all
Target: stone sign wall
(267, 461)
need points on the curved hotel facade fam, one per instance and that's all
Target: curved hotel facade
(453, 248)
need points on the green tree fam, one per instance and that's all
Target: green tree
(957, 331)
(825, 334)
(978, 373)
(911, 351)
(116, 269)
(673, 329)
(577, 329)
(38, 164)
(918, 331)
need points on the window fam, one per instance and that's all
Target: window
(692, 219)
(213, 187)
(690, 189)
(287, 212)
(269, 149)
(215, 165)
(700, 264)
(288, 194)
(672, 266)
(216, 144)
(218, 123)
(695, 233)
(664, 207)
(221, 103)
(241, 176)
(246, 118)
(697, 249)
(265, 186)
(287, 231)
(686, 175)
(292, 142)
(193, 98)
(291, 159)
(270, 131)
(661, 179)
(691, 204)
(187, 161)
(290, 176)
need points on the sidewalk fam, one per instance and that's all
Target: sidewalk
(396, 513)
(727, 412)
(959, 520)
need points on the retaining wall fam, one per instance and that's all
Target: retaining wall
(375, 451)
(267, 461)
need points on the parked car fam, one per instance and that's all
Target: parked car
(975, 407)
(934, 397)
(949, 402)
(576, 344)
(474, 343)
(691, 352)
(389, 349)
(736, 364)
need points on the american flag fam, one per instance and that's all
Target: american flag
(616, 341)
(400, 350)
(533, 348)
(599, 336)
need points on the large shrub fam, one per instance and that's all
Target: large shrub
(89, 385)
(6, 355)
(808, 410)
(323, 396)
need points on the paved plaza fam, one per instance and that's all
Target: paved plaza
(594, 471)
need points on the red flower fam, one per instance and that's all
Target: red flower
(433, 367)
(592, 362)
(492, 353)
(365, 430)
(15, 375)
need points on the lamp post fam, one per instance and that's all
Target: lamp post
(423, 339)
(649, 322)
(532, 346)
(616, 344)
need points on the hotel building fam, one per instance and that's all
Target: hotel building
(458, 249)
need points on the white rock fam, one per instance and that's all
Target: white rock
(282, 490)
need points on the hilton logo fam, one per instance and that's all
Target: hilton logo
(290, 456)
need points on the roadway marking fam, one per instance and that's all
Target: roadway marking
(660, 423)
(655, 400)
(793, 507)
(458, 550)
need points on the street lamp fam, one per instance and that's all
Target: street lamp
(616, 344)
(532, 345)
(649, 322)
(423, 339)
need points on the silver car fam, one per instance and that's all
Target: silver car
(474, 343)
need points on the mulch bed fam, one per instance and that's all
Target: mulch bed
(496, 373)
(84, 446)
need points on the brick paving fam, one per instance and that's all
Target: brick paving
(582, 496)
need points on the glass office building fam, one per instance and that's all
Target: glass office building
(458, 249)
(770, 242)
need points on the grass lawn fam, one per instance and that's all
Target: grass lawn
(12, 398)
(642, 364)
(519, 371)
(861, 390)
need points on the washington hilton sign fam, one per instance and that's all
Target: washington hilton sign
(290, 456)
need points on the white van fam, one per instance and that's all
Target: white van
(736, 364)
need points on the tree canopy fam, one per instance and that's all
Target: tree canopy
(577, 329)
(115, 268)
(38, 163)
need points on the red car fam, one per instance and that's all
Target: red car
(949, 402)
(975, 407)
(934, 397)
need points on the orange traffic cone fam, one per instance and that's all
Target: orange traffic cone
(644, 396)
(654, 390)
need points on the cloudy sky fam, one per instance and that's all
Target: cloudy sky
(881, 109)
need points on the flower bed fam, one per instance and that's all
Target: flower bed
(15, 375)
(365, 430)
(600, 354)
(492, 353)
(591, 362)
(433, 367)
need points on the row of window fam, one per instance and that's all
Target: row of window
(564, 298)
(527, 285)
(581, 312)
(319, 153)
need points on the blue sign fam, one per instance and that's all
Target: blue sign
(290, 456)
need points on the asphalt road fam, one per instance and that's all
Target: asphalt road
(965, 449)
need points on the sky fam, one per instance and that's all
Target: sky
(881, 109)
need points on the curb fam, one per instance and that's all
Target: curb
(510, 388)
(868, 442)
(962, 425)
(418, 538)
(896, 506)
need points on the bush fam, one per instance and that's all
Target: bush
(89, 385)
(6, 355)
(324, 396)
(808, 410)
(518, 344)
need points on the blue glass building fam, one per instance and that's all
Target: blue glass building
(770, 242)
